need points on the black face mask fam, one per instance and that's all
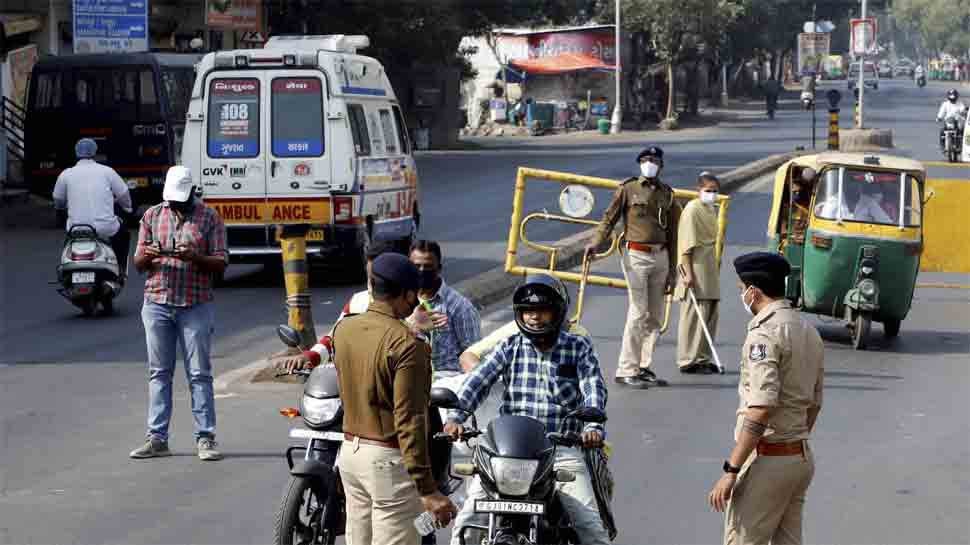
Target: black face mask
(182, 207)
(427, 279)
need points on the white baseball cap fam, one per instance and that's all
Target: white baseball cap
(178, 184)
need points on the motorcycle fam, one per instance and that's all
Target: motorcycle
(952, 139)
(89, 272)
(514, 460)
(313, 508)
(808, 100)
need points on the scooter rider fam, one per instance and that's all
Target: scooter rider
(89, 191)
(548, 372)
(951, 107)
(918, 73)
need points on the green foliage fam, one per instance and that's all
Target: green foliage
(943, 26)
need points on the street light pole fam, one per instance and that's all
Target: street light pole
(617, 110)
(862, 68)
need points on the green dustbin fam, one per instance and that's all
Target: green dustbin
(604, 126)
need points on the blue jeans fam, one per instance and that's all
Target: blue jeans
(167, 327)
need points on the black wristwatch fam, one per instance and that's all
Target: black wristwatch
(728, 468)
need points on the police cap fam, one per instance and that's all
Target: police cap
(652, 151)
(762, 268)
(397, 269)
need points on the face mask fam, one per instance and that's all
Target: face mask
(427, 278)
(649, 170)
(747, 306)
(709, 197)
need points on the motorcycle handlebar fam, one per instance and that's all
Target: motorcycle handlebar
(300, 372)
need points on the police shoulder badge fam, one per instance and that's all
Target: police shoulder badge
(757, 352)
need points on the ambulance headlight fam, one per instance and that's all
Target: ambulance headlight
(289, 60)
(242, 61)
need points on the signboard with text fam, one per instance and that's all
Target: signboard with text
(235, 131)
(234, 14)
(813, 47)
(599, 44)
(863, 36)
(110, 26)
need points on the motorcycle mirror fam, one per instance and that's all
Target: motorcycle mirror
(590, 414)
(443, 398)
(564, 476)
(289, 336)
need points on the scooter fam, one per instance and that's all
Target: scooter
(89, 272)
(514, 459)
(952, 139)
(313, 508)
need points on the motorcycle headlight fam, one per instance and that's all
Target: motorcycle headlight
(514, 476)
(867, 288)
(318, 412)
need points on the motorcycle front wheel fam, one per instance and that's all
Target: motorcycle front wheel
(301, 515)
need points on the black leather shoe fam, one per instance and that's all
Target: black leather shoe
(691, 369)
(648, 376)
(633, 383)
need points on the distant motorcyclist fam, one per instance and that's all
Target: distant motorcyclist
(951, 107)
(919, 73)
(89, 192)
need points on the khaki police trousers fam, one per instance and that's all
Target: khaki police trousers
(768, 499)
(382, 501)
(692, 345)
(646, 276)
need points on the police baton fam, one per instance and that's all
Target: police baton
(703, 322)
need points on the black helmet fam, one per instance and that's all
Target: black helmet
(541, 291)
(953, 95)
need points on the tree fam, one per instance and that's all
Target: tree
(943, 26)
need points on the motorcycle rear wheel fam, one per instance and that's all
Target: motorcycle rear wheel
(290, 527)
(89, 306)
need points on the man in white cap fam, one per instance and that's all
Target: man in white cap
(89, 191)
(182, 248)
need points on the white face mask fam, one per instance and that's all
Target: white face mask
(747, 306)
(649, 170)
(709, 197)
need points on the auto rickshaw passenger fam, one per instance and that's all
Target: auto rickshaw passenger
(829, 207)
(801, 188)
(871, 203)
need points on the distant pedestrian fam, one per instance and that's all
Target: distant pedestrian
(699, 273)
(182, 248)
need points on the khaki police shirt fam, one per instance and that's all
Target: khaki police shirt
(781, 367)
(648, 209)
(385, 386)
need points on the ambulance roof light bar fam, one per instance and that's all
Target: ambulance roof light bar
(331, 42)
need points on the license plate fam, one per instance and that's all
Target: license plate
(510, 507)
(313, 235)
(303, 433)
(137, 182)
(82, 278)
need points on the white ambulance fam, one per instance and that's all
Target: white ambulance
(304, 130)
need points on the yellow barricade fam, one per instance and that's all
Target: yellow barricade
(517, 233)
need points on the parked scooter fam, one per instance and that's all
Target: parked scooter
(313, 509)
(514, 459)
(89, 273)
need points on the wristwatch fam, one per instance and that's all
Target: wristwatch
(728, 468)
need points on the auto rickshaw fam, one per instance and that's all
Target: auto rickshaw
(853, 236)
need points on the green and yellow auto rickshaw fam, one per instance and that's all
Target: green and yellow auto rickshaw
(851, 227)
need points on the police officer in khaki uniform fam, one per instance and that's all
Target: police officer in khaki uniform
(768, 472)
(385, 383)
(650, 216)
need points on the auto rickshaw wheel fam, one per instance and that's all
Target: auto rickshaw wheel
(891, 328)
(861, 324)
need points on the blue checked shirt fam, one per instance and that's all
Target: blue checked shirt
(463, 330)
(541, 385)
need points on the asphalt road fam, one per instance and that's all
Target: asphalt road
(892, 442)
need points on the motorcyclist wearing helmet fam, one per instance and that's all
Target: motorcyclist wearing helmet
(89, 192)
(548, 372)
(951, 107)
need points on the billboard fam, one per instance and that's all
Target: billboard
(110, 26)
(863, 36)
(595, 43)
(813, 47)
(234, 14)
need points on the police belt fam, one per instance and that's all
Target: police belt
(373, 442)
(795, 448)
(641, 247)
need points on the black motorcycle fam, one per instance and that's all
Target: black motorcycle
(514, 459)
(952, 139)
(313, 509)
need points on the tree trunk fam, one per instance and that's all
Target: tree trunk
(671, 99)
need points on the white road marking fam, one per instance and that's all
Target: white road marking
(223, 396)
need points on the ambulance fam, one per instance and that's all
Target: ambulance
(302, 131)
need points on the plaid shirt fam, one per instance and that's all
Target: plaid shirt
(172, 281)
(541, 385)
(463, 330)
